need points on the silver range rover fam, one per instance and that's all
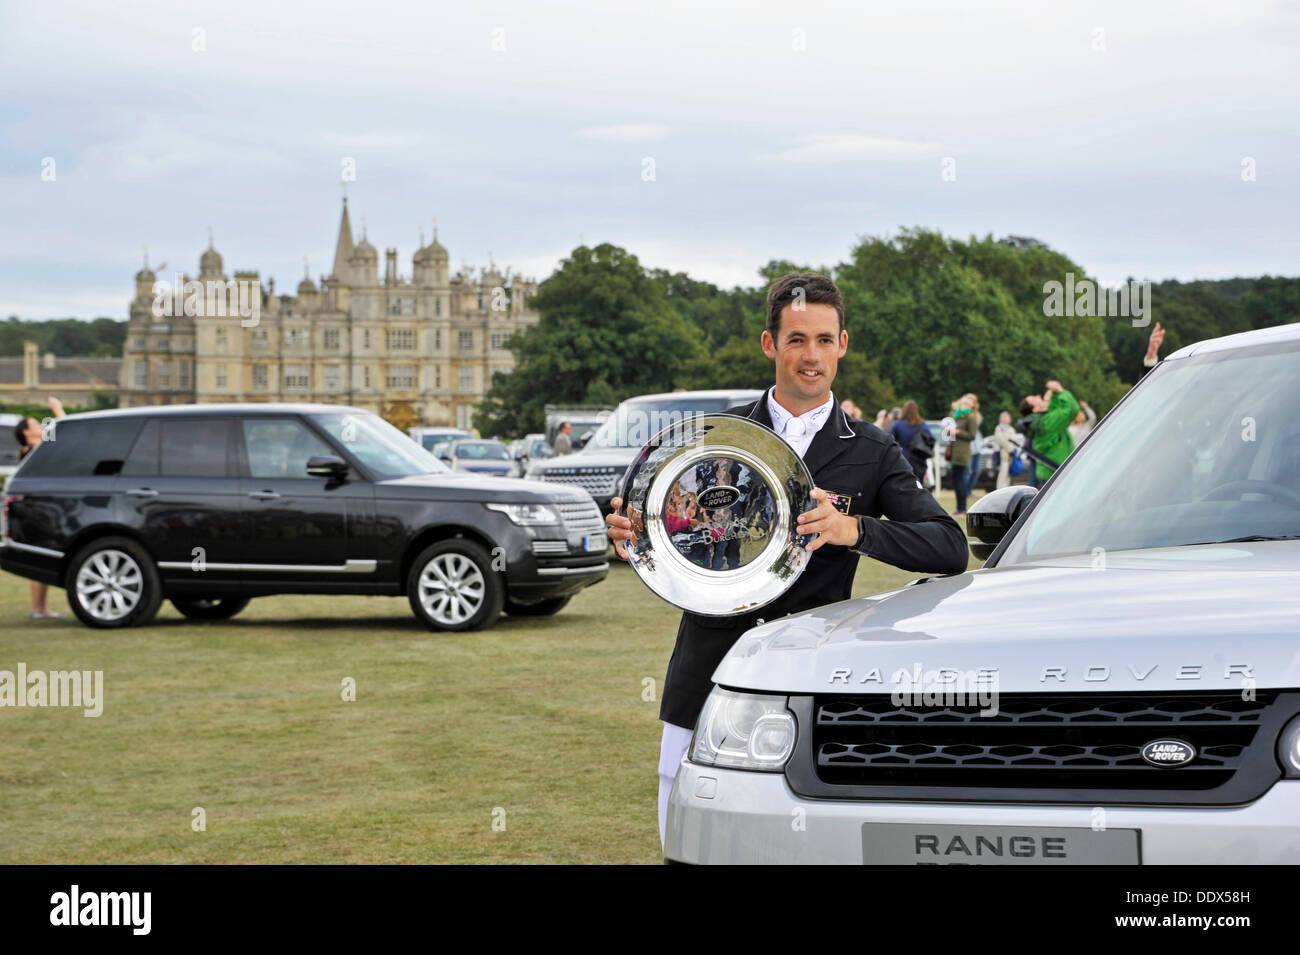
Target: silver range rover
(1119, 684)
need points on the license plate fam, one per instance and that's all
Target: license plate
(594, 542)
(887, 843)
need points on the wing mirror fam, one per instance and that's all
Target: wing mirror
(327, 466)
(989, 518)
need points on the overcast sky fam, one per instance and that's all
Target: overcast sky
(1115, 132)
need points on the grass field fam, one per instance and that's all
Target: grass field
(539, 724)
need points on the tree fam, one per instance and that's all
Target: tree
(606, 331)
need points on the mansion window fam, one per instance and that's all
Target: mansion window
(498, 340)
(401, 306)
(437, 339)
(221, 339)
(331, 339)
(142, 374)
(467, 379)
(401, 377)
(221, 376)
(184, 373)
(260, 341)
(295, 338)
(331, 377)
(400, 339)
(465, 341)
(164, 374)
(259, 377)
(296, 377)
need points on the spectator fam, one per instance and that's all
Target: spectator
(850, 409)
(1008, 442)
(963, 434)
(1084, 422)
(29, 433)
(976, 446)
(563, 441)
(1051, 414)
(914, 438)
(882, 420)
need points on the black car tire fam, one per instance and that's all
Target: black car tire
(210, 608)
(451, 586)
(543, 608)
(127, 569)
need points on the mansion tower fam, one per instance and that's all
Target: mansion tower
(372, 339)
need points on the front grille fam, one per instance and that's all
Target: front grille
(598, 482)
(581, 516)
(1042, 747)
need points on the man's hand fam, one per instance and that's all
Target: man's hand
(56, 406)
(830, 526)
(619, 528)
(1054, 386)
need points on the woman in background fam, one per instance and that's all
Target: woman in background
(904, 431)
(29, 433)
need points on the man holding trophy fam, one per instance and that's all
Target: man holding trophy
(860, 475)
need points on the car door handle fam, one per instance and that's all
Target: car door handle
(264, 495)
(142, 492)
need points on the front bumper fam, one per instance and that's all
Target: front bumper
(727, 816)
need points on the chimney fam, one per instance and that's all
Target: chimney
(390, 266)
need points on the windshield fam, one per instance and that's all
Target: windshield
(636, 422)
(482, 451)
(431, 441)
(1206, 449)
(379, 446)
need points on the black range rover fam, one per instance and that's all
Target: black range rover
(211, 505)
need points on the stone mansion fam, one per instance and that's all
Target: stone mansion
(376, 341)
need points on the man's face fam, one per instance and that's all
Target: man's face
(567, 428)
(1037, 403)
(807, 351)
(33, 432)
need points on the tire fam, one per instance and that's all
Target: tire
(112, 583)
(451, 586)
(543, 608)
(210, 608)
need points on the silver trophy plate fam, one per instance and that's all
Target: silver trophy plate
(714, 501)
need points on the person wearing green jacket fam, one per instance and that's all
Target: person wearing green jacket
(1055, 409)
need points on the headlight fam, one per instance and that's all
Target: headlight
(744, 731)
(526, 514)
(1288, 748)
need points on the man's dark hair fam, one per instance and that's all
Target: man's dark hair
(807, 287)
(1026, 408)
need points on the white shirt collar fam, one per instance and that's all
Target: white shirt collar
(798, 429)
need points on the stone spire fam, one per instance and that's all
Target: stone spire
(343, 251)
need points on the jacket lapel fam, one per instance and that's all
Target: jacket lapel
(834, 438)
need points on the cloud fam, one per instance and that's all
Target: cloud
(625, 133)
(829, 148)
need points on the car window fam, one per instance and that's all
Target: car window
(379, 446)
(83, 448)
(636, 422)
(1206, 449)
(281, 447)
(482, 451)
(195, 446)
(144, 459)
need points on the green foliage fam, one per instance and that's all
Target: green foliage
(943, 317)
(607, 331)
(66, 337)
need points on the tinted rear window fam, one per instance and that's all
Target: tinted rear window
(181, 447)
(83, 448)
